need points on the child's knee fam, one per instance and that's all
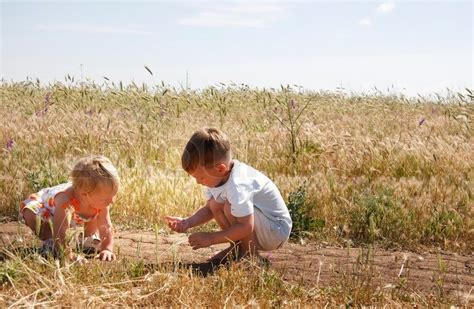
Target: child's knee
(29, 217)
(228, 214)
(227, 209)
(215, 206)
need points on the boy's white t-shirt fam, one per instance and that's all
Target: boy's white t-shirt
(247, 188)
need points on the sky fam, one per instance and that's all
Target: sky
(408, 47)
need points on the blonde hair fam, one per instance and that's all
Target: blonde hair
(206, 148)
(89, 172)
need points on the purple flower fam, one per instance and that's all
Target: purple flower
(41, 112)
(89, 113)
(293, 104)
(47, 103)
(47, 98)
(422, 121)
(9, 145)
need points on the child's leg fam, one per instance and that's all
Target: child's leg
(247, 245)
(30, 220)
(217, 210)
(243, 247)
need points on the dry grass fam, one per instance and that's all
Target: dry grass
(31, 280)
(380, 169)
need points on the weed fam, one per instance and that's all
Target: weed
(303, 223)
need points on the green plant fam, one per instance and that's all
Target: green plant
(443, 224)
(377, 217)
(290, 118)
(45, 175)
(8, 273)
(299, 208)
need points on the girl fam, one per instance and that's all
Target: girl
(84, 200)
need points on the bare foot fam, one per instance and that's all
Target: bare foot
(256, 258)
(224, 255)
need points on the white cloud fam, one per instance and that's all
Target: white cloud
(385, 7)
(250, 15)
(365, 22)
(81, 27)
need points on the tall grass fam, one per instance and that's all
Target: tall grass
(379, 168)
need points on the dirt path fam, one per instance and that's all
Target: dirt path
(307, 264)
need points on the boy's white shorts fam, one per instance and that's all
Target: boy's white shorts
(271, 234)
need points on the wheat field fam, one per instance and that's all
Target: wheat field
(376, 168)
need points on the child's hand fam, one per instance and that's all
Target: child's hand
(106, 255)
(177, 224)
(199, 240)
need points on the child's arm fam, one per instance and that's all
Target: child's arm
(181, 225)
(106, 233)
(238, 231)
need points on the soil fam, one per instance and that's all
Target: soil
(310, 264)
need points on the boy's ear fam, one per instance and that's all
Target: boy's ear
(221, 168)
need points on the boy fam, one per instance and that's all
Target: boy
(245, 203)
